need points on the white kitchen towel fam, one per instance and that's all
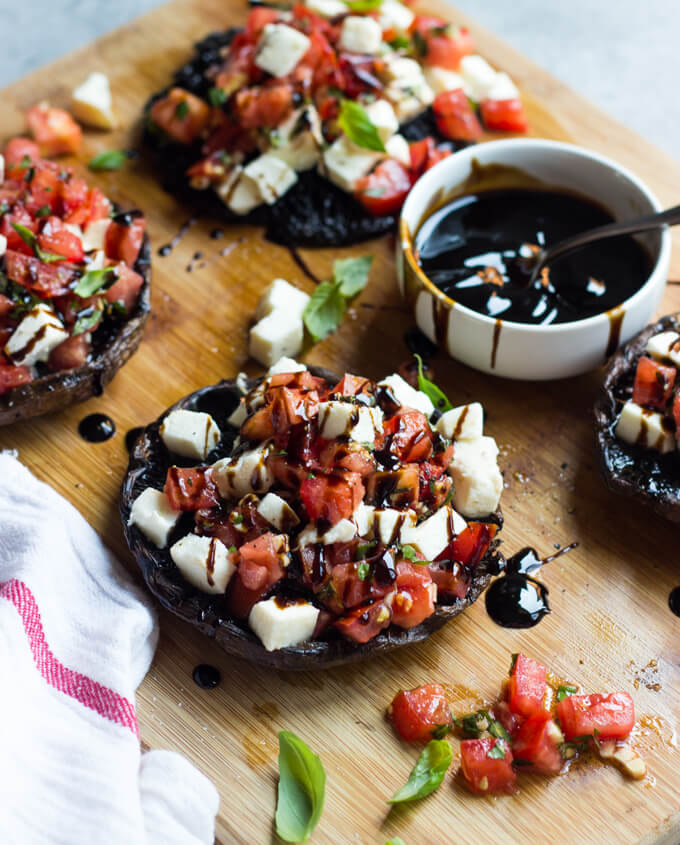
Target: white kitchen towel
(76, 639)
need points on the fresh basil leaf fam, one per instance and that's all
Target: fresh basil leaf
(30, 239)
(43, 212)
(95, 280)
(496, 729)
(4, 207)
(430, 389)
(409, 553)
(356, 124)
(217, 96)
(86, 320)
(302, 788)
(565, 690)
(440, 731)
(401, 42)
(513, 661)
(364, 549)
(108, 160)
(498, 751)
(363, 570)
(181, 110)
(352, 274)
(427, 774)
(420, 44)
(325, 310)
(363, 5)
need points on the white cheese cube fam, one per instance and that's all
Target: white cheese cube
(644, 427)
(477, 481)
(463, 423)
(92, 104)
(239, 416)
(343, 419)
(204, 562)
(298, 140)
(36, 336)
(3, 245)
(441, 79)
(278, 512)
(97, 261)
(280, 48)
(363, 519)
(279, 624)
(406, 395)
(390, 525)
(244, 473)
(344, 163)
(281, 295)
(327, 8)
(240, 194)
(94, 235)
(191, 434)
(277, 335)
(502, 88)
(397, 147)
(407, 88)
(286, 365)
(2, 168)
(394, 15)
(382, 116)
(396, 68)
(478, 77)
(360, 35)
(661, 347)
(342, 532)
(433, 535)
(272, 176)
(152, 513)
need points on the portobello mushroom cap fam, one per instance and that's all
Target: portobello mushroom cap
(644, 475)
(314, 212)
(113, 344)
(149, 462)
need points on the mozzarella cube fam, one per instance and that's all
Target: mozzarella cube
(478, 77)
(502, 88)
(153, 514)
(278, 513)
(390, 525)
(272, 176)
(663, 347)
(36, 336)
(433, 535)
(286, 365)
(245, 473)
(239, 415)
(342, 532)
(363, 519)
(477, 481)
(94, 235)
(277, 335)
(281, 295)
(298, 140)
(3, 245)
(644, 427)
(241, 195)
(191, 434)
(407, 88)
(398, 147)
(280, 624)
(463, 423)
(280, 48)
(204, 562)
(92, 104)
(360, 35)
(343, 419)
(344, 163)
(405, 395)
(441, 79)
(327, 8)
(97, 261)
(394, 15)
(2, 168)
(382, 116)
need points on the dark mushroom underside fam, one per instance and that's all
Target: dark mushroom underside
(148, 466)
(641, 474)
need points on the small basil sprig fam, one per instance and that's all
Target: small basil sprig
(427, 774)
(31, 240)
(327, 306)
(94, 281)
(565, 690)
(108, 160)
(498, 751)
(430, 389)
(86, 320)
(363, 5)
(302, 789)
(358, 126)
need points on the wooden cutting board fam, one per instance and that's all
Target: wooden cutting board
(610, 627)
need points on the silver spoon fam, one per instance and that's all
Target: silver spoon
(626, 227)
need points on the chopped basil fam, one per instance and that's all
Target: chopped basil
(363, 570)
(4, 207)
(29, 174)
(116, 309)
(440, 731)
(31, 240)
(325, 310)
(43, 212)
(352, 274)
(26, 161)
(94, 281)
(310, 475)
(302, 789)
(182, 110)
(217, 96)
(409, 553)
(513, 662)
(232, 549)
(237, 519)
(475, 724)
(430, 389)
(419, 43)
(427, 774)
(401, 42)
(363, 5)
(357, 125)
(498, 751)
(86, 320)
(108, 160)
(364, 549)
(565, 690)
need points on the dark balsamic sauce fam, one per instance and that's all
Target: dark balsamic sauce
(517, 599)
(418, 343)
(217, 234)
(131, 437)
(478, 248)
(166, 249)
(206, 676)
(96, 428)
(674, 600)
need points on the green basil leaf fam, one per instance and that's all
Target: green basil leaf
(181, 110)
(363, 5)
(44, 211)
(302, 789)
(513, 661)
(497, 730)
(364, 549)
(401, 42)
(429, 388)
(356, 124)
(86, 321)
(410, 553)
(217, 96)
(498, 751)
(30, 239)
(95, 280)
(108, 160)
(565, 690)
(363, 570)
(325, 310)
(427, 774)
(352, 274)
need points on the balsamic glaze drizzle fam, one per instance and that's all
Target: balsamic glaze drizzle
(96, 428)
(674, 600)
(131, 437)
(206, 676)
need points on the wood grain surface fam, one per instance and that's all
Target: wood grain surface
(610, 627)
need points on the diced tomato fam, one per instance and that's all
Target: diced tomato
(191, 489)
(332, 497)
(446, 50)
(350, 385)
(503, 714)
(181, 115)
(290, 406)
(126, 289)
(451, 578)
(57, 240)
(424, 24)
(124, 240)
(350, 456)
(470, 546)
(347, 590)
(19, 150)
(454, 116)
(74, 193)
(290, 475)
(414, 599)
(296, 381)
(676, 412)
(409, 436)
(394, 488)
(214, 522)
(11, 376)
(47, 280)
(527, 686)
(424, 155)
(384, 190)
(44, 190)
(6, 305)
(365, 622)
(263, 107)
(537, 742)
(54, 130)
(653, 384)
(20, 216)
(259, 426)
(612, 716)
(483, 774)
(258, 18)
(417, 713)
(504, 115)
(70, 354)
(99, 206)
(259, 569)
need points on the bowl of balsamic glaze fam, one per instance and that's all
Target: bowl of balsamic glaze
(467, 232)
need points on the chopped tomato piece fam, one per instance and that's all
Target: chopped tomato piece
(470, 546)
(70, 354)
(417, 713)
(350, 456)
(11, 376)
(409, 436)
(99, 206)
(258, 18)
(6, 305)
(394, 488)
(54, 130)
(263, 107)
(181, 115)
(20, 150)
(612, 716)
(14, 240)
(424, 155)
(384, 190)
(126, 290)
(450, 577)
(484, 774)
(676, 412)
(124, 239)
(192, 488)
(332, 497)
(653, 383)
(504, 115)
(350, 385)
(445, 47)
(259, 426)
(538, 742)
(260, 567)
(414, 599)
(44, 193)
(364, 622)
(454, 116)
(47, 280)
(527, 686)
(59, 241)
(214, 522)
(74, 193)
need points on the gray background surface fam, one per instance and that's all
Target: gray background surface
(624, 55)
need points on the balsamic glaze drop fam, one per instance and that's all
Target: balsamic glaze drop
(131, 437)
(96, 428)
(418, 343)
(674, 600)
(216, 234)
(206, 676)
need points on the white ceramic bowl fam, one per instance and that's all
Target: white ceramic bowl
(517, 350)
